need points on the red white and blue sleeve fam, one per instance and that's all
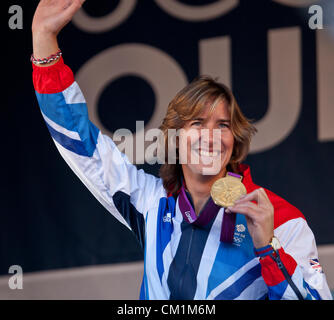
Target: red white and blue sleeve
(126, 192)
(301, 274)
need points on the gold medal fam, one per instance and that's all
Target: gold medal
(225, 191)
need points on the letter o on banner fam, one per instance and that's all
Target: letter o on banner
(103, 24)
(297, 3)
(161, 71)
(197, 13)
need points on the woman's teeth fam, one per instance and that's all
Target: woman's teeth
(208, 153)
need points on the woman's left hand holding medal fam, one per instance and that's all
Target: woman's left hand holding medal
(259, 216)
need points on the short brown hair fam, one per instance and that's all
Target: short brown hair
(189, 103)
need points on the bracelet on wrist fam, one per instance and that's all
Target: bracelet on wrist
(49, 59)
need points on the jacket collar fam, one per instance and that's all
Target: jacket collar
(244, 170)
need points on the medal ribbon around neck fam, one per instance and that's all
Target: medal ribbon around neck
(208, 213)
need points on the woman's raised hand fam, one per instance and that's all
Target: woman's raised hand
(50, 18)
(52, 15)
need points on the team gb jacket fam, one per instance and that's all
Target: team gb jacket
(181, 261)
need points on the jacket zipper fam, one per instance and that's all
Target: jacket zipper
(287, 276)
(187, 261)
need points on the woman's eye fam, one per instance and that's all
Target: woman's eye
(196, 123)
(224, 125)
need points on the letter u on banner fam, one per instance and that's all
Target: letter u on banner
(284, 89)
(325, 80)
(284, 82)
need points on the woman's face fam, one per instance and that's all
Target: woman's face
(206, 142)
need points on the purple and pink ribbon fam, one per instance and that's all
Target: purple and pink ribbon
(208, 213)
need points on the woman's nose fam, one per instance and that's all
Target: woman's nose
(210, 136)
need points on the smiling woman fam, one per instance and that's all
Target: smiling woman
(206, 104)
(194, 248)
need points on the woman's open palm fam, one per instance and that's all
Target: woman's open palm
(52, 15)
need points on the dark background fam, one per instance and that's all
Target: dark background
(49, 220)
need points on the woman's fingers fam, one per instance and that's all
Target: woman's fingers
(244, 204)
(247, 208)
(258, 195)
(252, 196)
(72, 8)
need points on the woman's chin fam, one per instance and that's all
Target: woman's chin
(210, 171)
(207, 169)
